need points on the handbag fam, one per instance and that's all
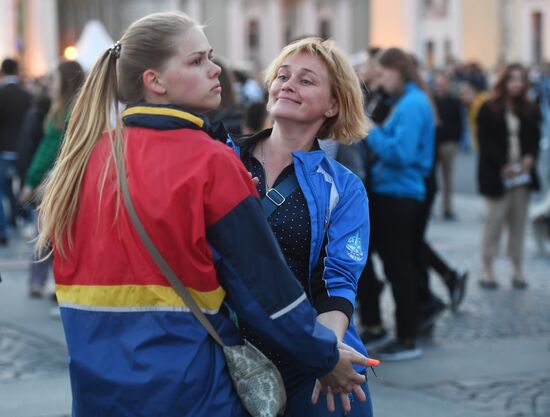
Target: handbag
(256, 379)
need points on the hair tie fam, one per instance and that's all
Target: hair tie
(115, 49)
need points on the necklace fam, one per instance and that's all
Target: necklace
(267, 187)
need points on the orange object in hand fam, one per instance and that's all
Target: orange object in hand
(372, 362)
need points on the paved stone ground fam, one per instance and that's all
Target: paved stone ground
(490, 359)
(488, 317)
(24, 355)
(515, 397)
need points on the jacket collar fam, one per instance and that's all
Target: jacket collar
(311, 160)
(248, 142)
(170, 117)
(9, 79)
(410, 86)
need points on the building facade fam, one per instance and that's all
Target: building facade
(248, 33)
(28, 31)
(487, 31)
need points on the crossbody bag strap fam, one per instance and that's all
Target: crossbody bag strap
(276, 196)
(161, 262)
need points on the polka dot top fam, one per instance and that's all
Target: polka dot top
(291, 226)
(290, 222)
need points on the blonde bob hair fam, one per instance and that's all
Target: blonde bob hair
(350, 124)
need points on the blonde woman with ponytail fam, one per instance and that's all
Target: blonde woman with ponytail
(134, 347)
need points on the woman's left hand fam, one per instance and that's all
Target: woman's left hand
(26, 195)
(527, 163)
(255, 180)
(359, 393)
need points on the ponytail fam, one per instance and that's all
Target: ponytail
(89, 120)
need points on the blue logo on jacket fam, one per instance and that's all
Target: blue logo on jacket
(353, 247)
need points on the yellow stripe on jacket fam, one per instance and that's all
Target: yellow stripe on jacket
(135, 298)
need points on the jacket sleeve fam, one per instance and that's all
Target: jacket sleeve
(396, 142)
(251, 268)
(533, 134)
(487, 133)
(347, 243)
(44, 158)
(482, 122)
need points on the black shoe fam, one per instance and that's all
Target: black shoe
(457, 288)
(35, 292)
(375, 339)
(488, 284)
(449, 216)
(519, 284)
(399, 351)
(3, 241)
(428, 315)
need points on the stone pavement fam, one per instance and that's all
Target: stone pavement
(490, 359)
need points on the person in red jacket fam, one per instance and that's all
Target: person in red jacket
(134, 347)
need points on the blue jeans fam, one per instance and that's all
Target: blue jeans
(299, 403)
(7, 170)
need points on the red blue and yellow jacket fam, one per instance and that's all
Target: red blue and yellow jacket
(134, 347)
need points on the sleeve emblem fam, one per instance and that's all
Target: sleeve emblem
(354, 248)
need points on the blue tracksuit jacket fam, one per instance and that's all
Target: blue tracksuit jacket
(404, 147)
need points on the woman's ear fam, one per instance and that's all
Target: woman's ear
(152, 83)
(333, 109)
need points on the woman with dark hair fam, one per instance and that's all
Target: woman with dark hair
(229, 112)
(509, 134)
(403, 149)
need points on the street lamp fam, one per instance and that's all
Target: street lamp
(71, 53)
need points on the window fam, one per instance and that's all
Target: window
(435, 8)
(429, 54)
(324, 29)
(536, 37)
(253, 34)
(448, 51)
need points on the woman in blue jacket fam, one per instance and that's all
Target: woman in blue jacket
(317, 209)
(403, 149)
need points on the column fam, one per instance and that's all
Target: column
(411, 22)
(235, 32)
(271, 38)
(307, 22)
(457, 11)
(41, 48)
(343, 25)
(194, 9)
(8, 29)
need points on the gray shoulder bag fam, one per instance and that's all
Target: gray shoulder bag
(256, 379)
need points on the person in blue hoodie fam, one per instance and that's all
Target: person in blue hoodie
(402, 149)
(317, 208)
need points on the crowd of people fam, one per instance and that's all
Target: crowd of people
(270, 201)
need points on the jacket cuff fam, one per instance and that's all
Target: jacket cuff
(335, 304)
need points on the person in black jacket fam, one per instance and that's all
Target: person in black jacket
(448, 134)
(509, 135)
(32, 129)
(14, 102)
